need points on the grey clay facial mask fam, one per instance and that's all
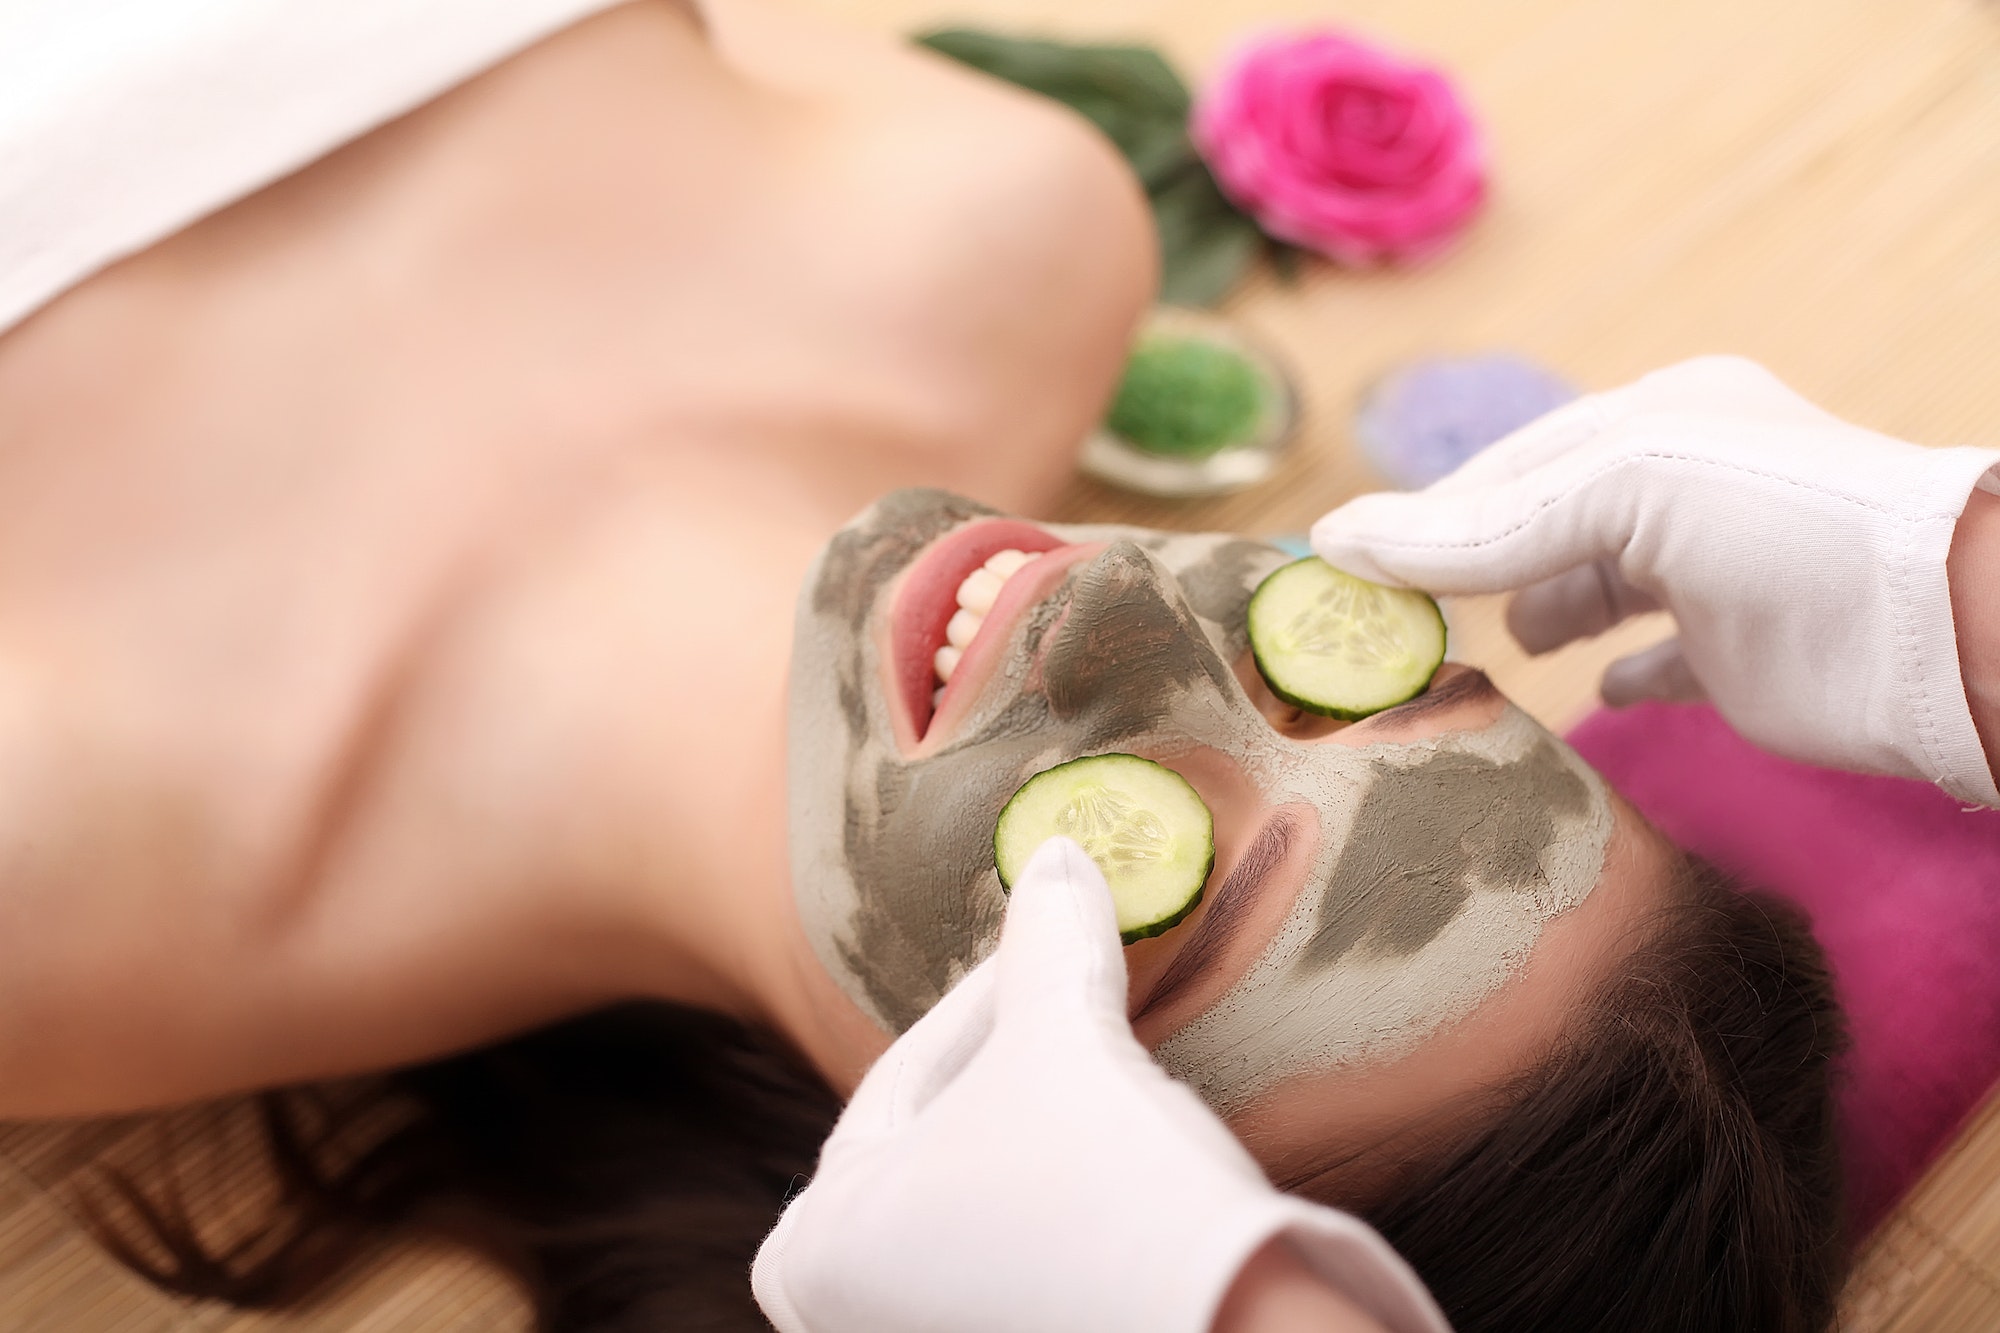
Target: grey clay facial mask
(1433, 863)
(1428, 892)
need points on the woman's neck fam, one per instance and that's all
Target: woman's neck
(663, 782)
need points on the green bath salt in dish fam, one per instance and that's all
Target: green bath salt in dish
(1203, 408)
(1141, 823)
(1186, 396)
(1340, 646)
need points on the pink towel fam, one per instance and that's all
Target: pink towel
(1903, 885)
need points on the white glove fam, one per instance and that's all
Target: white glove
(1017, 1164)
(1804, 559)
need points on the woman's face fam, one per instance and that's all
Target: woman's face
(1373, 883)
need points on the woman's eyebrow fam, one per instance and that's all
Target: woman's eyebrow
(1468, 685)
(1210, 938)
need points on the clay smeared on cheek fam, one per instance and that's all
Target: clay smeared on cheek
(1425, 900)
(863, 558)
(851, 804)
(1115, 658)
(1426, 835)
(1219, 587)
(934, 900)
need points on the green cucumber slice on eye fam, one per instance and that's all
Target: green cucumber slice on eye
(1139, 821)
(1340, 646)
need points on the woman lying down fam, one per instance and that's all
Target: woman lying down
(434, 609)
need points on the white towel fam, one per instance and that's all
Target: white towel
(123, 121)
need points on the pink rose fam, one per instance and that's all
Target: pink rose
(1341, 148)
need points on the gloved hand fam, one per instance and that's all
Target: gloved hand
(1017, 1164)
(1804, 559)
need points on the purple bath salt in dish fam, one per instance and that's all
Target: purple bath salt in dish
(1424, 418)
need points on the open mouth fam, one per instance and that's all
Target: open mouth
(950, 616)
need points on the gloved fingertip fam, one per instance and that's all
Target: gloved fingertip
(1060, 940)
(1546, 615)
(1065, 857)
(1659, 673)
(1575, 604)
(1448, 542)
(1348, 539)
(1062, 896)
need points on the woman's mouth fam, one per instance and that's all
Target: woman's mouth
(951, 616)
(975, 597)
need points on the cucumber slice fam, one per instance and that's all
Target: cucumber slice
(1340, 646)
(1139, 821)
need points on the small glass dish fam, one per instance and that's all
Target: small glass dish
(1207, 409)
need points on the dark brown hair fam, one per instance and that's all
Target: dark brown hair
(624, 1165)
(1671, 1167)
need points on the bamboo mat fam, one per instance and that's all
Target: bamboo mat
(1814, 183)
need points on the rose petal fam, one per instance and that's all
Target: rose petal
(1338, 146)
(1406, 161)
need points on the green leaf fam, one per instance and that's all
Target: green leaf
(1159, 154)
(1286, 261)
(1135, 75)
(1201, 270)
(1206, 242)
(1141, 105)
(1129, 92)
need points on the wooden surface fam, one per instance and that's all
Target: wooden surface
(1815, 183)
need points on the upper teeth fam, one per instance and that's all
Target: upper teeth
(975, 598)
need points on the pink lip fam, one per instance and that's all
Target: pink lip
(928, 597)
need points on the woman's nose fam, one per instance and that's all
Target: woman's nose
(1127, 642)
